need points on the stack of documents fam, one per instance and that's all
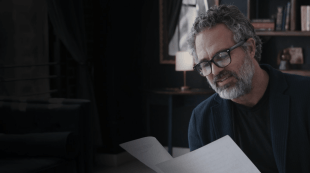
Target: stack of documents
(220, 156)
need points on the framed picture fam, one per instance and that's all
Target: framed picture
(164, 57)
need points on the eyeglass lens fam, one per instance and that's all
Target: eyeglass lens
(220, 60)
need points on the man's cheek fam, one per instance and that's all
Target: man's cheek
(210, 81)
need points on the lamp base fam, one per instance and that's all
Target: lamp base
(185, 88)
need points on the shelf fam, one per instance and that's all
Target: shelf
(283, 33)
(297, 72)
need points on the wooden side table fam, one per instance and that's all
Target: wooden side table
(170, 92)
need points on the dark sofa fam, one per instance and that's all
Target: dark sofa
(45, 136)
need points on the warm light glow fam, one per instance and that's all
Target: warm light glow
(183, 61)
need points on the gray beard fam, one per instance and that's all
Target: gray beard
(241, 87)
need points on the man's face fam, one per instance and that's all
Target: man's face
(234, 80)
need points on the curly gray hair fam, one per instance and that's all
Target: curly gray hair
(232, 17)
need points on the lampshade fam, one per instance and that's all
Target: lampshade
(183, 61)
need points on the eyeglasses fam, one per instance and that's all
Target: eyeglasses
(221, 59)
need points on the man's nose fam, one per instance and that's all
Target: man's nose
(215, 69)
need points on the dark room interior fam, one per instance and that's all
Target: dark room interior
(80, 77)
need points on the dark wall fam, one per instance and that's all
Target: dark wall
(118, 71)
(241, 4)
(127, 47)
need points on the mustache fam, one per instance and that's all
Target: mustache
(223, 74)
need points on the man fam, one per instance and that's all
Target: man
(265, 111)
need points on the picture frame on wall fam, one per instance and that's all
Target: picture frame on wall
(164, 57)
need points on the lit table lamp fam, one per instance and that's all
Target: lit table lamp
(184, 62)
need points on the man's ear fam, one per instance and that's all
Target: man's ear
(251, 46)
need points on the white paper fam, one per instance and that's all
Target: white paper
(220, 156)
(148, 150)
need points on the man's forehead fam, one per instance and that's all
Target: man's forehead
(217, 33)
(214, 39)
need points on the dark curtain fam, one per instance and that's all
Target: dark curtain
(67, 19)
(173, 13)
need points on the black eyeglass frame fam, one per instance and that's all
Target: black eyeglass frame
(227, 50)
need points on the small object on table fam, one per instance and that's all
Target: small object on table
(285, 57)
(288, 56)
(284, 65)
(296, 56)
(279, 18)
